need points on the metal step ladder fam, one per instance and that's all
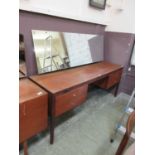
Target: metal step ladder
(127, 111)
(54, 60)
(47, 54)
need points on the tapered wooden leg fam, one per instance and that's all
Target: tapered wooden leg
(116, 90)
(25, 148)
(122, 145)
(52, 130)
(52, 123)
(52, 114)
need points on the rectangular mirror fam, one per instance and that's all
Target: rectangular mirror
(61, 50)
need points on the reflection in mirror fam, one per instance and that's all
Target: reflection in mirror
(22, 64)
(61, 50)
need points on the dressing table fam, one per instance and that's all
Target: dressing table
(68, 88)
(33, 110)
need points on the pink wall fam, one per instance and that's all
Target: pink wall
(29, 21)
(117, 49)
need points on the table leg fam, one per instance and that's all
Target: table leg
(25, 148)
(51, 130)
(116, 89)
(52, 119)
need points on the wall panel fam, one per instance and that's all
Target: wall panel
(29, 21)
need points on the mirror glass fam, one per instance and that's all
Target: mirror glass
(22, 62)
(62, 50)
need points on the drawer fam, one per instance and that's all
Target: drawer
(102, 83)
(110, 80)
(70, 99)
(114, 78)
(33, 117)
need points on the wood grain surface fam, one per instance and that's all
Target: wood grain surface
(33, 109)
(57, 82)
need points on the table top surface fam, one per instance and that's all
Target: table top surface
(55, 82)
(29, 90)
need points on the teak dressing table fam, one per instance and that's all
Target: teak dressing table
(33, 110)
(68, 89)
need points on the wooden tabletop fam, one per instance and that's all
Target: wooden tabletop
(29, 90)
(56, 82)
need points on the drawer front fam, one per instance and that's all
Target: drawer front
(114, 78)
(102, 83)
(33, 117)
(110, 80)
(69, 100)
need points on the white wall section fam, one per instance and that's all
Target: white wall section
(122, 16)
(118, 14)
(72, 9)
